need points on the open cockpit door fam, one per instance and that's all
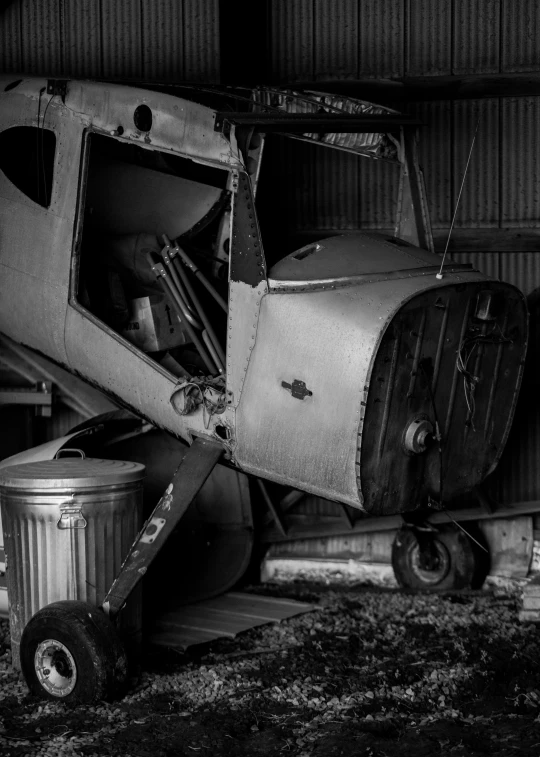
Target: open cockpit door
(149, 292)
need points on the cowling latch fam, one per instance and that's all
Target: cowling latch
(298, 389)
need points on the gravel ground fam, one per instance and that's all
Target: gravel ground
(370, 672)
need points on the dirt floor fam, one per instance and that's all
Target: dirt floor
(369, 672)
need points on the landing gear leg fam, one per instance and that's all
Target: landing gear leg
(198, 463)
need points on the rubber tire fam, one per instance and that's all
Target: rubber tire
(463, 566)
(93, 642)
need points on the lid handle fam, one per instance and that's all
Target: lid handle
(70, 449)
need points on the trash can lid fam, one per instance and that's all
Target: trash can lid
(70, 473)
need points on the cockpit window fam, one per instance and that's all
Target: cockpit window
(27, 160)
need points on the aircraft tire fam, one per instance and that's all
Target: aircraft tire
(456, 567)
(70, 651)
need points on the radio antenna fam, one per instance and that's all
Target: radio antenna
(440, 274)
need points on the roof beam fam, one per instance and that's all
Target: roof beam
(300, 123)
(425, 88)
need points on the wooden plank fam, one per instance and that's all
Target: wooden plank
(510, 542)
(529, 616)
(334, 527)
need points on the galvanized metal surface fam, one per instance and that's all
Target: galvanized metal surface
(225, 616)
(47, 562)
(70, 472)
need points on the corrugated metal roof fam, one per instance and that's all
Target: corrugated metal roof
(371, 547)
(336, 38)
(381, 42)
(429, 48)
(520, 26)
(81, 27)
(201, 40)
(476, 36)
(225, 616)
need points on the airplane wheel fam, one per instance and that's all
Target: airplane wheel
(449, 562)
(71, 651)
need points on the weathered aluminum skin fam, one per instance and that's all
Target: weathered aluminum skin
(328, 339)
(56, 324)
(46, 563)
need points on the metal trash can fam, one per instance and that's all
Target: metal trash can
(68, 525)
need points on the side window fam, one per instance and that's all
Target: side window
(27, 160)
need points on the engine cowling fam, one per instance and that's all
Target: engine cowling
(376, 384)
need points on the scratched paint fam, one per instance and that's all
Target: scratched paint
(167, 498)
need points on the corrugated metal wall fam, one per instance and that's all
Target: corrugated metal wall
(348, 39)
(165, 40)
(391, 38)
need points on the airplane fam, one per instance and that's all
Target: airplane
(360, 367)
